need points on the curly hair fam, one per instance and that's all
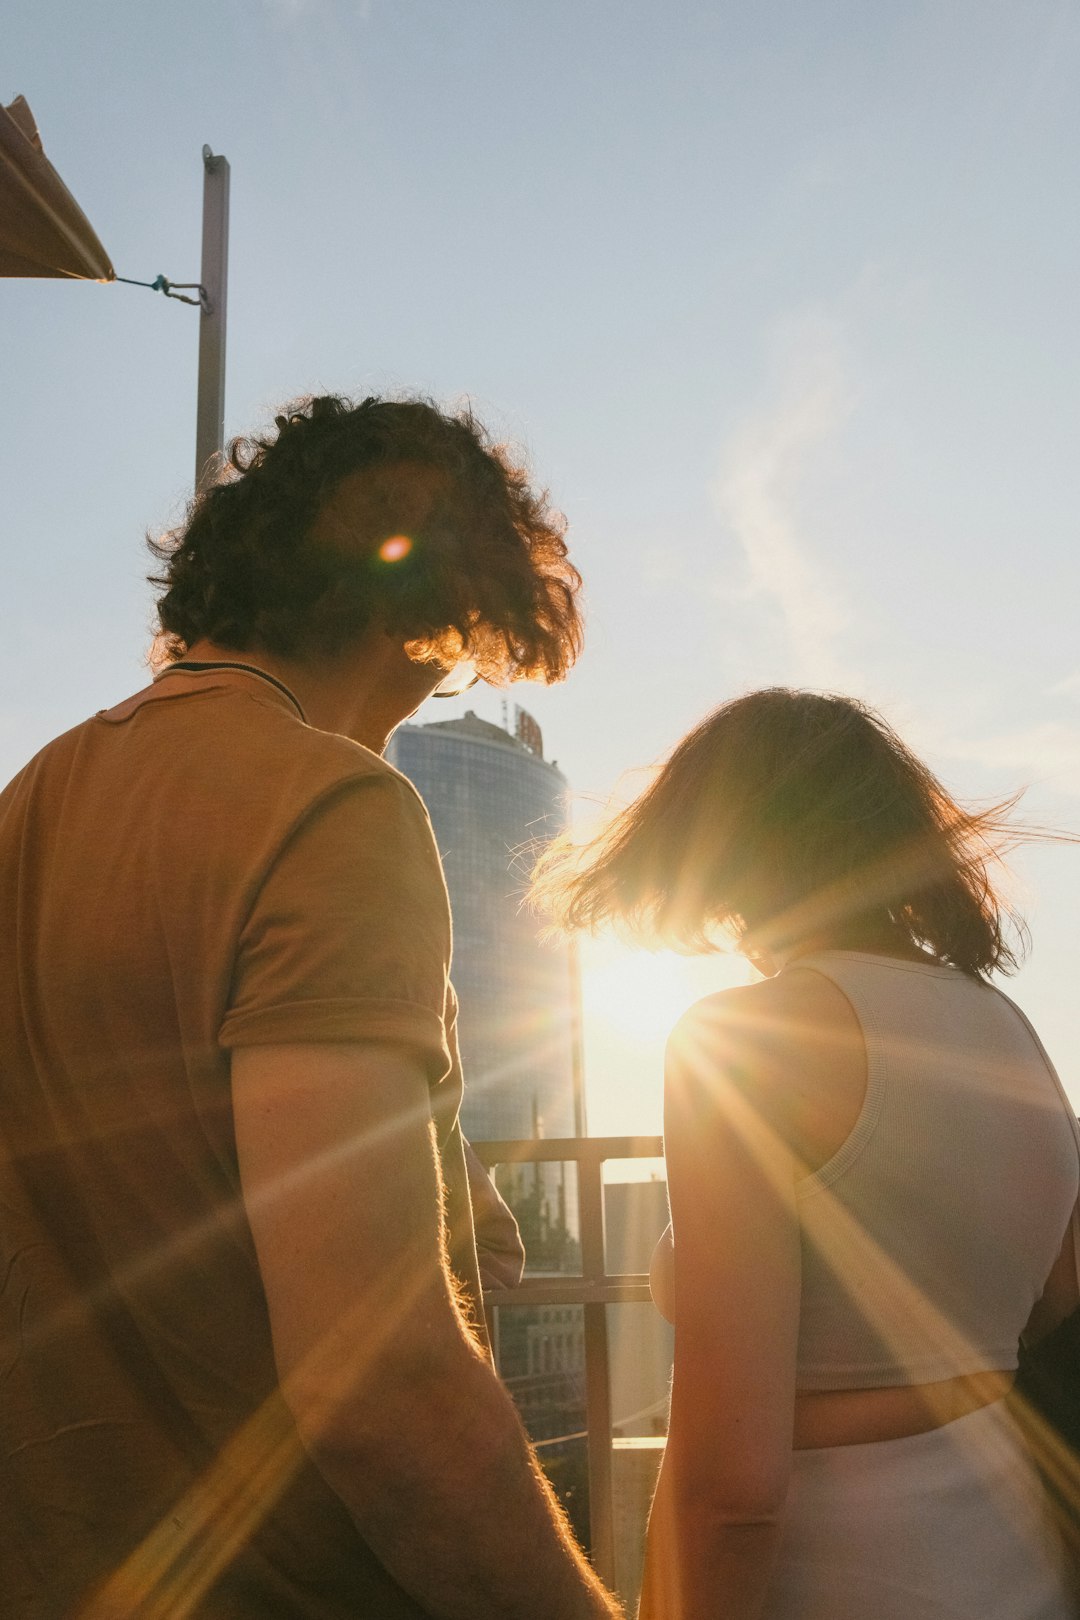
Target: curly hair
(389, 512)
(787, 816)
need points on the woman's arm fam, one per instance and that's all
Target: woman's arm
(1061, 1295)
(715, 1519)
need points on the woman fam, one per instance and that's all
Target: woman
(872, 1169)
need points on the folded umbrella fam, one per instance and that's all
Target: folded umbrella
(43, 231)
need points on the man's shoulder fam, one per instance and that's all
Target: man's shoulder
(235, 756)
(50, 757)
(243, 734)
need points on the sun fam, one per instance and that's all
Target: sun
(641, 995)
(635, 994)
(631, 1001)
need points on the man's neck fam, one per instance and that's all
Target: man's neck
(363, 694)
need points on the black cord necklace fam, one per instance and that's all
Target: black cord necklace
(248, 669)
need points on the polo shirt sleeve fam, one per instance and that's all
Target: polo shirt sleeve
(349, 935)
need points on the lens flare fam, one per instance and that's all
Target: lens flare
(394, 549)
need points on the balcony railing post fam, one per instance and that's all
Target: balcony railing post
(597, 1370)
(598, 1407)
(594, 1290)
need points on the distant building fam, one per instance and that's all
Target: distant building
(493, 800)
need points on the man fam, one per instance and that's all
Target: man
(240, 1377)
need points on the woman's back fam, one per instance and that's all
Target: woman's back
(902, 1119)
(929, 1234)
(870, 1167)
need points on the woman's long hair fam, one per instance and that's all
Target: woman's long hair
(789, 816)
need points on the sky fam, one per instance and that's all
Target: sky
(780, 302)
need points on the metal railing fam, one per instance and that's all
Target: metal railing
(594, 1290)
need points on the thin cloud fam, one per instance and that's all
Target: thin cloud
(755, 497)
(1045, 754)
(286, 12)
(1069, 687)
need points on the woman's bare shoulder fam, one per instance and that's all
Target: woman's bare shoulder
(791, 1046)
(781, 1015)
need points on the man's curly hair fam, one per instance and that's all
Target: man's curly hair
(391, 513)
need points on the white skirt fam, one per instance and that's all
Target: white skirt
(948, 1525)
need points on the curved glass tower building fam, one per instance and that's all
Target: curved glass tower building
(493, 800)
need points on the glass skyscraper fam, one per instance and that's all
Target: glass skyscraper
(493, 801)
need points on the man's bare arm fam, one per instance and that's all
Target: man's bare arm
(393, 1398)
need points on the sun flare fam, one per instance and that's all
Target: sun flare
(641, 995)
(631, 1001)
(635, 993)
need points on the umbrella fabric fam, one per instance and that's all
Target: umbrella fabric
(43, 231)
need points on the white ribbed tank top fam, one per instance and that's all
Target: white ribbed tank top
(929, 1235)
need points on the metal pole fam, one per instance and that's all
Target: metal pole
(597, 1371)
(577, 1041)
(210, 416)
